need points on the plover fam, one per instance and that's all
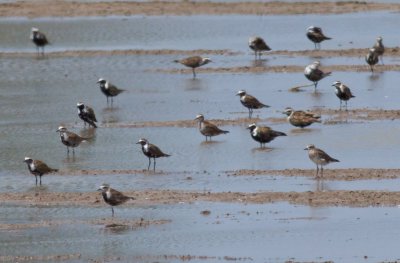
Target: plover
(379, 47)
(313, 73)
(250, 102)
(38, 168)
(109, 89)
(39, 39)
(319, 157)
(151, 151)
(86, 114)
(372, 58)
(263, 134)
(258, 45)
(193, 62)
(70, 139)
(113, 197)
(301, 118)
(342, 92)
(316, 36)
(208, 129)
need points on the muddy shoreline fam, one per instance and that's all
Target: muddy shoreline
(34, 9)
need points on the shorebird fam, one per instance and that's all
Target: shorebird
(250, 102)
(109, 89)
(342, 92)
(151, 151)
(316, 36)
(70, 139)
(372, 58)
(38, 168)
(258, 45)
(113, 197)
(86, 114)
(319, 157)
(193, 62)
(301, 118)
(39, 39)
(263, 134)
(207, 128)
(379, 48)
(313, 73)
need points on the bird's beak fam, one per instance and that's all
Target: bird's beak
(138, 143)
(99, 189)
(98, 82)
(305, 149)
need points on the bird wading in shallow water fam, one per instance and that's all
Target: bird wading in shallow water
(372, 58)
(39, 39)
(342, 92)
(319, 157)
(263, 134)
(113, 197)
(151, 151)
(314, 74)
(193, 62)
(207, 128)
(86, 114)
(70, 139)
(250, 102)
(258, 45)
(38, 168)
(379, 48)
(301, 118)
(316, 36)
(108, 89)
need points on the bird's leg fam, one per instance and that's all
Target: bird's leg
(322, 171)
(250, 113)
(148, 167)
(315, 86)
(154, 164)
(382, 60)
(112, 209)
(40, 178)
(345, 103)
(317, 171)
(67, 150)
(36, 179)
(194, 73)
(73, 151)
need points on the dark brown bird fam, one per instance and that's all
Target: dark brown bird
(250, 102)
(86, 114)
(379, 48)
(193, 62)
(301, 118)
(258, 45)
(263, 134)
(39, 39)
(319, 157)
(70, 139)
(151, 151)
(313, 73)
(342, 92)
(38, 168)
(109, 89)
(113, 197)
(316, 36)
(372, 58)
(208, 129)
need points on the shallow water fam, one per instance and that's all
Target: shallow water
(38, 95)
(281, 32)
(261, 233)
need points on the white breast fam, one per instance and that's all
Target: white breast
(108, 194)
(255, 131)
(146, 148)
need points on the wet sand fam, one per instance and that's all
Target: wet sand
(71, 9)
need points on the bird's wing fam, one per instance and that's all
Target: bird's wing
(155, 151)
(42, 167)
(91, 114)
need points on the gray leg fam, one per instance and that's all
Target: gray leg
(148, 167)
(154, 164)
(112, 209)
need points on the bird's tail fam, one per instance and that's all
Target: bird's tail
(53, 170)
(278, 133)
(326, 74)
(225, 132)
(265, 106)
(334, 160)
(166, 155)
(132, 198)
(177, 61)
(327, 38)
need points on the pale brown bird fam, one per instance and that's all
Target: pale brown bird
(342, 92)
(193, 62)
(151, 151)
(301, 118)
(113, 197)
(250, 102)
(207, 128)
(263, 134)
(108, 89)
(70, 139)
(316, 36)
(38, 168)
(258, 45)
(319, 157)
(372, 58)
(379, 48)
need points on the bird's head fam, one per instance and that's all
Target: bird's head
(251, 127)
(61, 129)
(142, 141)
(337, 83)
(28, 160)
(199, 117)
(102, 81)
(80, 105)
(206, 61)
(241, 93)
(104, 187)
(309, 147)
(34, 30)
(288, 111)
